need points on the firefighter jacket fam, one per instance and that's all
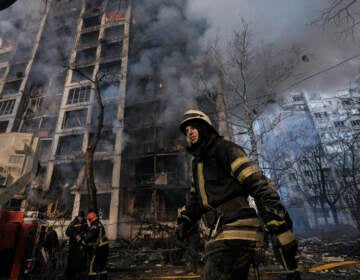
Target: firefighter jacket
(76, 227)
(223, 178)
(95, 237)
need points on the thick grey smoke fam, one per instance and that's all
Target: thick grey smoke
(21, 20)
(284, 23)
(164, 52)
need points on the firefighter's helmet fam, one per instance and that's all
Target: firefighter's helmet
(92, 216)
(196, 116)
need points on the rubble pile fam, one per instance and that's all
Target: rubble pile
(319, 259)
(322, 258)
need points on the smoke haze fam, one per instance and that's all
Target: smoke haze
(284, 23)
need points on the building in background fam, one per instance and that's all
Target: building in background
(337, 120)
(314, 173)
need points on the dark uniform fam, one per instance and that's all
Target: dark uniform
(223, 178)
(76, 265)
(51, 242)
(97, 246)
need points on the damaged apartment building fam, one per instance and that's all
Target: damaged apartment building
(49, 69)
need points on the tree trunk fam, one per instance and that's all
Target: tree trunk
(316, 217)
(334, 214)
(90, 182)
(324, 212)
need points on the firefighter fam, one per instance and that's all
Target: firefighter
(223, 178)
(76, 264)
(51, 244)
(97, 245)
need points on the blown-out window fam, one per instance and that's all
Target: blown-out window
(75, 118)
(3, 126)
(70, 144)
(6, 107)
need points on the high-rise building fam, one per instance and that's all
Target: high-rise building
(139, 56)
(324, 158)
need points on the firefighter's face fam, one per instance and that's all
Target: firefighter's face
(192, 134)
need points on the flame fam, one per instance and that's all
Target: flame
(114, 16)
(161, 85)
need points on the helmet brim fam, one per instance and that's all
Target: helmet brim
(188, 122)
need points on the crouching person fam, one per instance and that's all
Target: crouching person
(97, 245)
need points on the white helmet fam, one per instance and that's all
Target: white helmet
(196, 116)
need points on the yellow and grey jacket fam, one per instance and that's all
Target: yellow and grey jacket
(95, 237)
(223, 178)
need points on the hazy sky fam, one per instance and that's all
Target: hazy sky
(283, 23)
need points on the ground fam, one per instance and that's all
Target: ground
(329, 259)
(330, 256)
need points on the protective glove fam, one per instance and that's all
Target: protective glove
(285, 251)
(284, 244)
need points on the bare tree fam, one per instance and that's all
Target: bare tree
(346, 147)
(95, 137)
(347, 166)
(344, 14)
(311, 174)
(309, 193)
(250, 76)
(316, 176)
(90, 182)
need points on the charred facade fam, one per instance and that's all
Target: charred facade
(142, 55)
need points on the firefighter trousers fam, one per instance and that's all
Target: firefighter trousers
(227, 260)
(98, 261)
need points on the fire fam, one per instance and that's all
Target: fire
(114, 17)
(161, 85)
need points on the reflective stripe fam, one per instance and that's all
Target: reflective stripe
(254, 222)
(286, 238)
(98, 273)
(91, 267)
(201, 180)
(186, 218)
(248, 171)
(192, 187)
(102, 243)
(239, 234)
(237, 163)
(275, 223)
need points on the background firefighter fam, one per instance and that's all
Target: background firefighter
(97, 246)
(76, 264)
(51, 244)
(223, 178)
